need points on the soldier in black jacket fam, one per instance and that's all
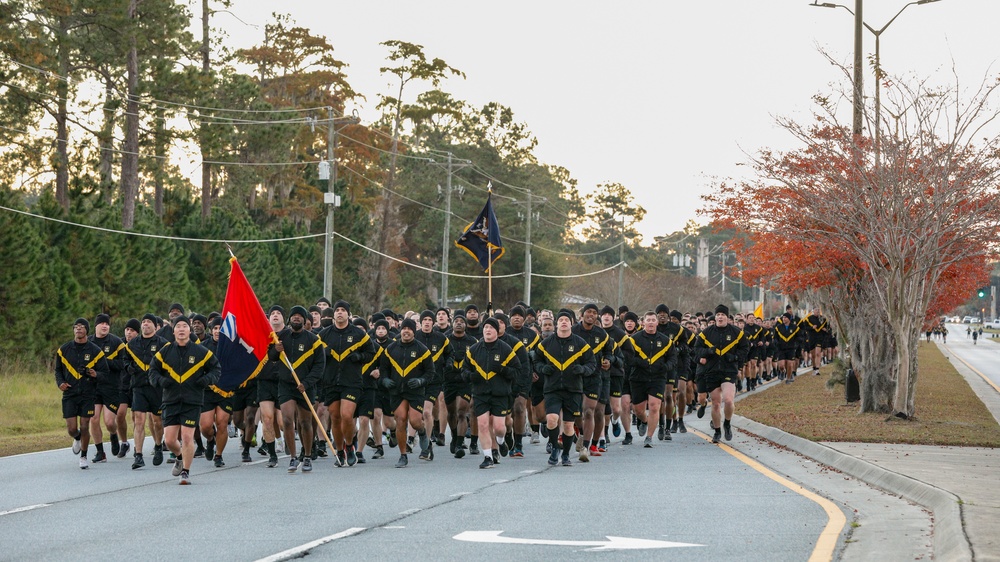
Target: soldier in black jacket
(217, 408)
(145, 398)
(652, 356)
(440, 348)
(787, 338)
(457, 392)
(514, 435)
(107, 398)
(564, 359)
(594, 399)
(616, 381)
(521, 389)
(379, 335)
(405, 368)
(79, 365)
(490, 366)
(348, 349)
(683, 341)
(183, 370)
(304, 351)
(720, 351)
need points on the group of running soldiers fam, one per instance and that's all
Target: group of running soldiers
(494, 379)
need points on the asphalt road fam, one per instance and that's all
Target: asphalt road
(982, 355)
(682, 500)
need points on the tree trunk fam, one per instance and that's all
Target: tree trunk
(130, 158)
(106, 143)
(62, 134)
(206, 169)
(160, 143)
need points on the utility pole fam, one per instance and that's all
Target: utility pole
(450, 167)
(328, 171)
(621, 263)
(858, 68)
(527, 255)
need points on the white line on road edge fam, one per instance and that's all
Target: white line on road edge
(299, 550)
(25, 508)
(411, 511)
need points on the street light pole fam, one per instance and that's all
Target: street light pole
(621, 264)
(858, 93)
(330, 198)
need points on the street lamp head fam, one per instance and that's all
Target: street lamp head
(829, 5)
(926, 1)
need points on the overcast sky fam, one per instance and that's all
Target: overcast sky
(662, 96)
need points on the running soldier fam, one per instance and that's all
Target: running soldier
(348, 350)
(594, 398)
(182, 370)
(521, 389)
(107, 399)
(145, 398)
(440, 348)
(458, 392)
(80, 365)
(303, 351)
(720, 350)
(490, 366)
(652, 356)
(405, 368)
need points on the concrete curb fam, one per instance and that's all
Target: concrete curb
(950, 540)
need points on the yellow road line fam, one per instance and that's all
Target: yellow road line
(827, 541)
(975, 370)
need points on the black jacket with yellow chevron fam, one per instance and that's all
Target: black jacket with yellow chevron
(402, 361)
(564, 362)
(724, 350)
(347, 351)
(304, 351)
(441, 353)
(650, 356)
(458, 345)
(491, 367)
(184, 372)
(600, 343)
(139, 354)
(114, 352)
(71, 361)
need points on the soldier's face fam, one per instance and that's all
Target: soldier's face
(427, 324)
(316, 317)
(406, 335)
(340, 315)
(489, 334)
(102, 329)
(442, 318)
(79, 331)
(129, 334)
(517, 321)
(381, 332)
(182, 332)
(459, 324)
(589, 316)
(472, 314)
(721, 320)
(607, 320)
(649, 323)
(147, 327)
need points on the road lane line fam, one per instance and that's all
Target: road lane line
(826, 544)
(298, 551)
(25, 508)
(975, 370)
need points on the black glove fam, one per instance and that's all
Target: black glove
(617, 362)
(577, 370)
(731, 358)
(466, 376)
(544, 369)
(388, 383)
(414, 383)
(354, 358)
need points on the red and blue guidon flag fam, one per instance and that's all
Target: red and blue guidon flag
(482, 237)
(245, 333)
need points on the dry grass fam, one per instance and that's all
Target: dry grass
(947, 411)
(30, 412)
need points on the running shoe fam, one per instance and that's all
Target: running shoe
(123, 450)
(660, 431)
(293, 465)
(137, 462)
(627, 440)
(616, 427)
(673, 426)
(361, 458)
(474, 448)
(199, 451)
(729, 431)
(553, 457)
(508, 441)
(535, 438)
(717, 436)
(262, 451)
(379, 452)
(647, 443)
(584, 456)
(680, 427)
(185, 478)
(402, 462)
(83, 463)
(219, 463)
(115, 445)
(496, 457)
(245, 457)
(595, 452)
(602, 447)
(210, 450)
(341, 459)
(504, 448)
(77, 447)
(566, 461)
(371, 442)
(99, 457)
(178, 467)
(517, 453)
(544, 430)
(701, 411)
(352, 457)
(439, 440)
(487, 463)
(272, 461)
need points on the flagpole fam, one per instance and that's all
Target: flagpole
(489, 285)
(308, 403)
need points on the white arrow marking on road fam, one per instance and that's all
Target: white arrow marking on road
(613, 543)
(25, 508)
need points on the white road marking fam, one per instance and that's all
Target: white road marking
(25, 508)
(459, 494)
(300, 550)
(410, 511)
(612, 543)
(528, 471)
(501, 481)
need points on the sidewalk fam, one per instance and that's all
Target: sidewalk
(958, 484)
